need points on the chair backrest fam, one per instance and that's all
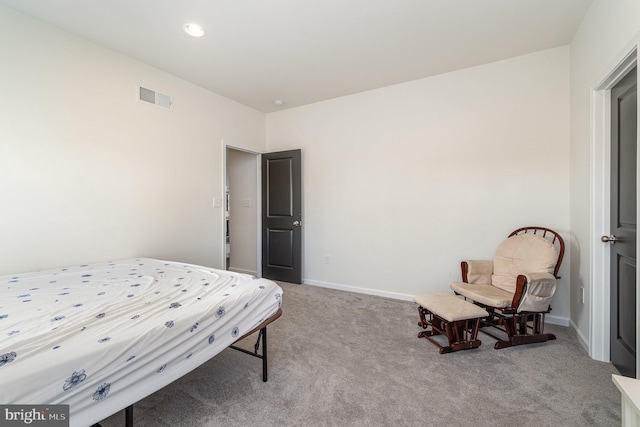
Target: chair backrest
(526, 252)
(548, 234)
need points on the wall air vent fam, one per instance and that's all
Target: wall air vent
(155, 98)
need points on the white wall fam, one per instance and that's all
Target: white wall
(607, 29)
(403, 182)
(400, 183)
(88, 173)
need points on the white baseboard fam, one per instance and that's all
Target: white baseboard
(553, 320)
(240, 270)
(367, 291)
(584, 342)
(556, 320)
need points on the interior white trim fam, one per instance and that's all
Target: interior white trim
(600, 184)
(223, 220)
(600, 208)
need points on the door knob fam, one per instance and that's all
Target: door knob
(609, 239)
(297, 223)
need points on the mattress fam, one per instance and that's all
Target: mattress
(101, 336)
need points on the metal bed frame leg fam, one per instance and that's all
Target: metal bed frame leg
(128, 416)
(263, 331)
(262, 338)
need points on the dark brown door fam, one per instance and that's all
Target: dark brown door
(282, 216)
(624, 117)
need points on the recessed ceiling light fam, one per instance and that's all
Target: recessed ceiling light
(278, 102)
(194, 30)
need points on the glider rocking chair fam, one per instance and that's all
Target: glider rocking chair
(516, 287)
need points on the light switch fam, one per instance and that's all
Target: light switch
(246, 203)
(217, 202)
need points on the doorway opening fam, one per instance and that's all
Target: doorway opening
(242, 211)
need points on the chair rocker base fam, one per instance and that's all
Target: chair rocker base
(461, 345)
(522, 340)
(520, 329)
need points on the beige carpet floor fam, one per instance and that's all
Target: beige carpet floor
(346, 359)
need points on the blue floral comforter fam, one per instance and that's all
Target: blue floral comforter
(102, 336)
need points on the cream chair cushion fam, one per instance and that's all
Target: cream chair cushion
(522, 254)
(484, 294)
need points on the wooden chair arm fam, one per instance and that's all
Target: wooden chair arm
(465, 270)
(521, 288)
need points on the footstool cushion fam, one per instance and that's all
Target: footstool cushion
(450, 307)
(453, 317)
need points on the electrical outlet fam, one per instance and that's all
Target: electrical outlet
(327, 259)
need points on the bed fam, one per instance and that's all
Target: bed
(99, 337)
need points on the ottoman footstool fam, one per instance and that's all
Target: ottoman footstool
(448, 315)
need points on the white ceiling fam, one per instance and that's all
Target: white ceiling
(304, 51)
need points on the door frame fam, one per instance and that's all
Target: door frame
(599, 335)
(258, 219)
